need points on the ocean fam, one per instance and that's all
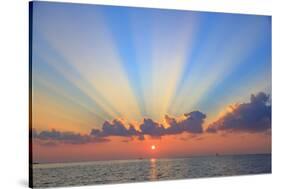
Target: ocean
(121, 171)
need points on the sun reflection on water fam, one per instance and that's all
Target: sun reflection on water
(153, 169)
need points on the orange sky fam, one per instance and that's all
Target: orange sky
(166, 147)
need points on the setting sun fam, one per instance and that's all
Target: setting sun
(153, 147)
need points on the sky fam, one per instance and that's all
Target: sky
(109, 82)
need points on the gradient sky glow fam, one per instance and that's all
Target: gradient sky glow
(93, 64)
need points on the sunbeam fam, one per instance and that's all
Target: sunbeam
(143, 71)
(221, 55)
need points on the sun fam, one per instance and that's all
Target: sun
(153, 147)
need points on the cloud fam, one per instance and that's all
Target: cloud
(115, 128)
(192, 123)
(251, 117)
(154, 129)
(47, 143)
(65, 137)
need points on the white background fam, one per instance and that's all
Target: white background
(14, 92)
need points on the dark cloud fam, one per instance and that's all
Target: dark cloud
(116, 128)
(192, 123)
(254, 116)
(47, 143)
(66, 137)
(154, 129)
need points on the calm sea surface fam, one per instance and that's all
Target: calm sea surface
(105, 172)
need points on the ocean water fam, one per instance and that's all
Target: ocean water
(120, 171)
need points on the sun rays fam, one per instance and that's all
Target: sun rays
(98, 66)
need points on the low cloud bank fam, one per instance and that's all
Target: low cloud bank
(53, 136)
(252, 117)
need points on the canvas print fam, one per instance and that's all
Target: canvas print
(130, 94)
